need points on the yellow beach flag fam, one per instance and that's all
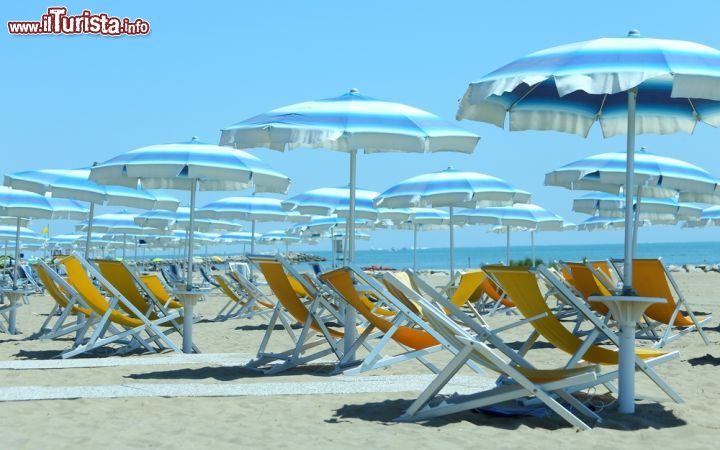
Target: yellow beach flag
(45, 230)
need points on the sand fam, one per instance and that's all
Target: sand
(144, 400)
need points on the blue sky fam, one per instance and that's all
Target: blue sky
(68, 101)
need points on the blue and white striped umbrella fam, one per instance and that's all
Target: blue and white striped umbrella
(418, 219)
(329, 201)
(653, 209)
(190, 166)
(630, 85)
(121, 225)
(349, 123)
(252, 209)
(9, 233)
(570, 87)
(75, 184)
(239, 237)
(180, 219)
(528, 216)
(655, 176)
(451, 188)
(600, 223)
(709, 217)
(323, 224)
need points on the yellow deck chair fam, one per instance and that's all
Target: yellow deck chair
(158, 289)
(238, 306)
(588, 285)
(65, 305)
(312, 312)
(651, 279)
(522, 286)
(416, 342)
(249, 289)
(135, 324)
(522, 380)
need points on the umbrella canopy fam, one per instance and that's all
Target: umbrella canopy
(630, 85)
(180, 219)
(451, 188)
(349, 123)
(9, 233)
(528, 216)
(240, 237)
(653, 209)
(322, 224)
(656, 176)
(9, 220)
(421, 219)
(253, 209)
(68, 209)
(23, 205)
(709, 216)
(600, 223)
(329, 201)
(75, 184)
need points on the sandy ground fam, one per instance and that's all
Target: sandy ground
(331, 420)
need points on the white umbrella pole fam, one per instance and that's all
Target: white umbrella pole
(351, 219)
(636, 222)
(124, 244)
(17, 255)
(350, 318)
(452, 244)
(507, 245)
(88, 238)
(252, 237)
(191, 236)
(532, 247)
(136, 248)
(414, 246)
(629, 191)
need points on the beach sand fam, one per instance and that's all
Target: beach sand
(286, 411)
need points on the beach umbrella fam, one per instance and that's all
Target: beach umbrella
(451, 188)
(421, 219)
(329, 201)
(121, 224)
(527, 216)
(631, 85)
(252, 209)
(655, 210)
(7, 220)
(23, 205)
(180, 219)
(655, 177)
(242, 237)
(75, 184)
(600, 223)
(349, 123)
(708, 217)
(498, 229)
(320, 224)
(190, 166)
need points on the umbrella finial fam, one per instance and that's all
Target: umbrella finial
(633, 33)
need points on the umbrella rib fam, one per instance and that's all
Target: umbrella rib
(696, 114)
(532, 88)
(602, 105)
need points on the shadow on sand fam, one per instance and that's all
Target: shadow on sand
(230, 373)
(707, 360)
(647, 416)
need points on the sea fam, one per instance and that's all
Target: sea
(469, 257)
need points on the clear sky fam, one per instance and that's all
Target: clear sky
(67, 101)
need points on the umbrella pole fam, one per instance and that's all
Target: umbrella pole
(350, 318)
(414, 246)
(507, 245)
(452, 245)
(17, 256)
(191, 236)
(636, 222)
(629, 191)
(351, 219)
(252, 237)
(88, 238)
(532, 247)
(124, 244)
